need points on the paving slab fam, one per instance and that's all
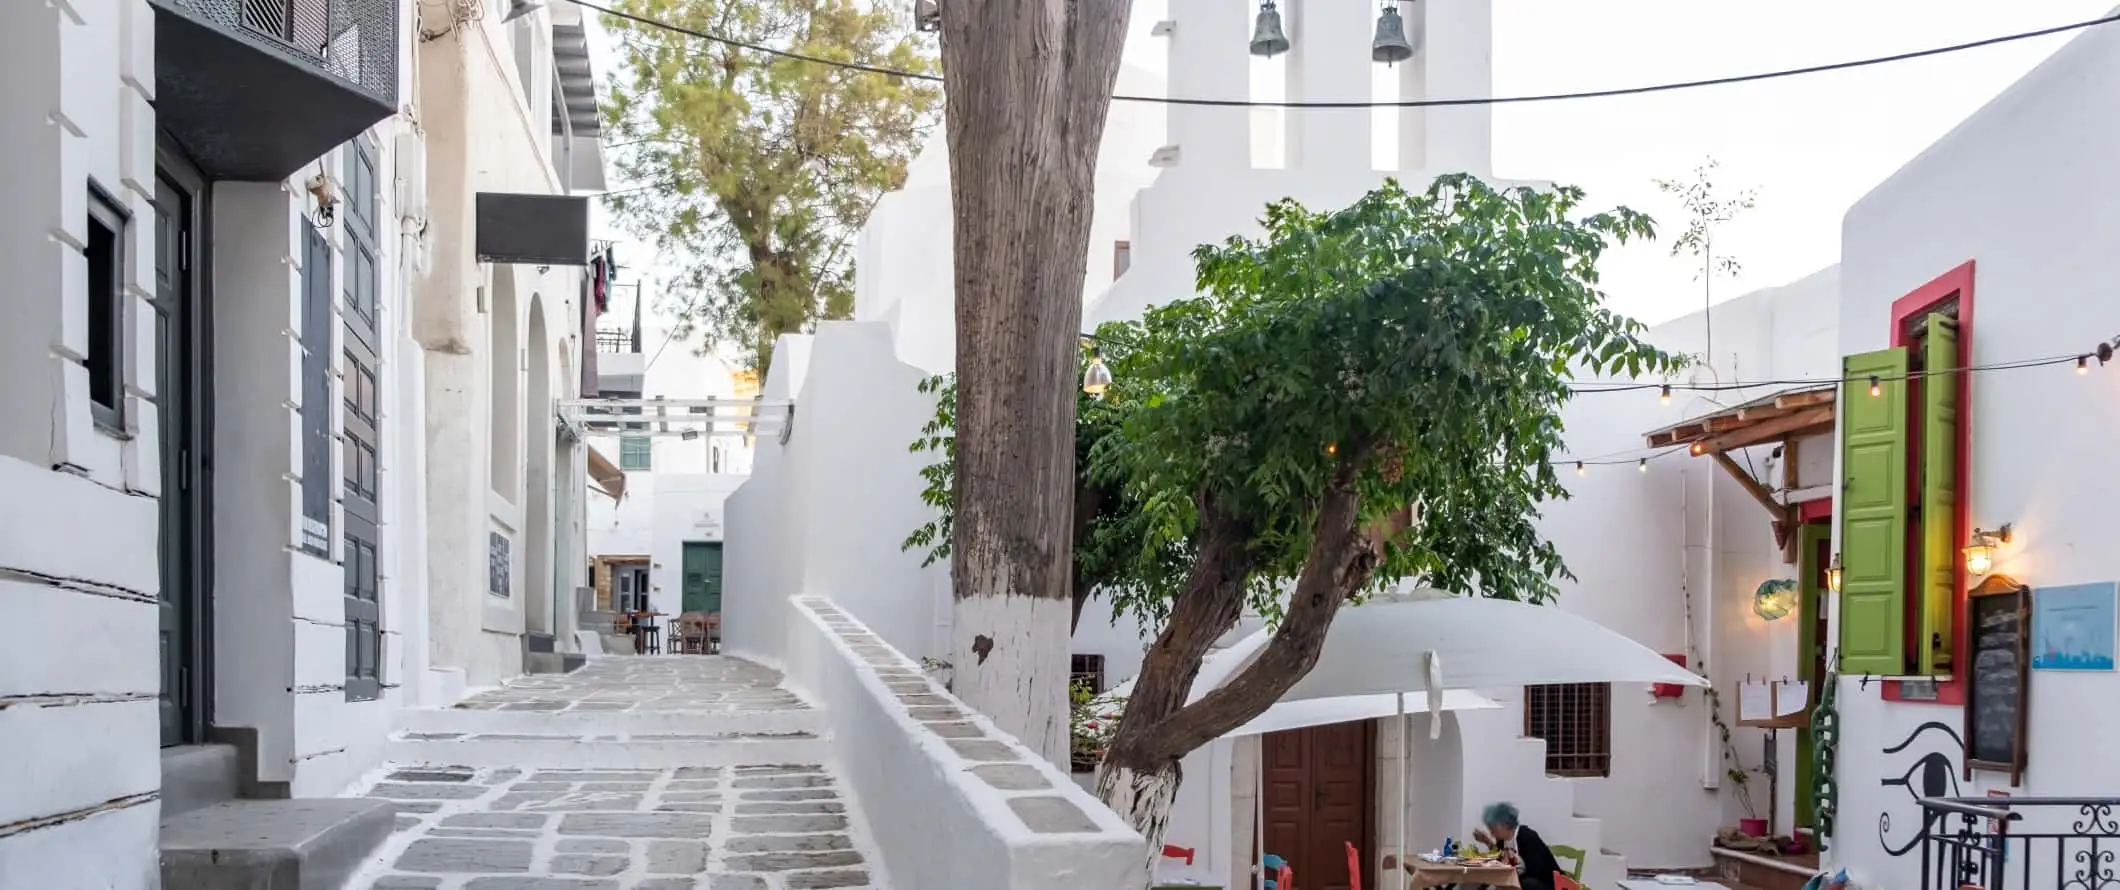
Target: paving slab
(602, 821)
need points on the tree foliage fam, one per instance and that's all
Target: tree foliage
(1356, 398)
(760, 169)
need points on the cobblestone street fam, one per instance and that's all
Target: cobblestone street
(767, 825)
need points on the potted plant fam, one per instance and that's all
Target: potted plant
(1092, 720)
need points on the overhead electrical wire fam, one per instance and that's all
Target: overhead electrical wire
(1777, 74)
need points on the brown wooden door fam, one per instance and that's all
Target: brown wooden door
(1320, 797)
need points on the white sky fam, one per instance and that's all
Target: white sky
(1810, 145)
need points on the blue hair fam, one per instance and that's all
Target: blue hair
(1503, 814)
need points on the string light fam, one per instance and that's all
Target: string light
(1580, 470)
(1876, 388)
(1642, 465)
(1664, 397)
(2083, 365)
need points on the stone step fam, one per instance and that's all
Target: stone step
(589, 720)
(196, 776)
(272, 844)
(552, 662)
(605, 749)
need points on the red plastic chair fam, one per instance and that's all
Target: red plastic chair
(1354, 867)
(1561, 881)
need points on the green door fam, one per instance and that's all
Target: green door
(1814, 552)
(702, 576)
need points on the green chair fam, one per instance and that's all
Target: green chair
(1564, 854)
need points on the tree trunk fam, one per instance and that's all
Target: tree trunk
(1027, 85)
(1159, 728)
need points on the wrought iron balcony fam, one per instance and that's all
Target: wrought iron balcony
(254, 89)
(2022, 843)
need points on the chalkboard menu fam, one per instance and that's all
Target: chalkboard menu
(1999, 627)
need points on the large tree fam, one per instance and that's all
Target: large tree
(1357, 398)
(758, 170)
(1027, 84)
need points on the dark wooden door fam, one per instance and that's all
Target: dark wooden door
(360, 440)
(182, 399)
(1320, 797)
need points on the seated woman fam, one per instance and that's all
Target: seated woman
(1503, 826)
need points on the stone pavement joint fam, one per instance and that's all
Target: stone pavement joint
(754, 826)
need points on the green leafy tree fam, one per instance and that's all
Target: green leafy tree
(760, 170)
(1708, 207)
(1357, 398)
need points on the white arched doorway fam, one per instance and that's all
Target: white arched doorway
(537, 447)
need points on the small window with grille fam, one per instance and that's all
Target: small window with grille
(1575, 721)
(1087, 670)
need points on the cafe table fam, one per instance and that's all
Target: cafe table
(1425, 874)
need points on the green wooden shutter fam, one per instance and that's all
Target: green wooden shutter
(1873, 514)
(1939, 493)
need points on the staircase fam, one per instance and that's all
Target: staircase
(670, 769)
(215, 836)
(1500, 763)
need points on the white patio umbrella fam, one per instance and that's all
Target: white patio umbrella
(1431, 643)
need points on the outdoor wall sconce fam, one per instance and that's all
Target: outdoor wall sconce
(1980, 551)
(1833, 574)
(1391, 46)
(1267, 39)
(319, 186)
(1774, 599)
(926, 16)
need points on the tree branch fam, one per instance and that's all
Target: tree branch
(1343, 558)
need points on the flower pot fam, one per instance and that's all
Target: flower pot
(1752, 827)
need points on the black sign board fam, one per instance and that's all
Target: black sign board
(1998, 616)
(532, 230)
(318, 359)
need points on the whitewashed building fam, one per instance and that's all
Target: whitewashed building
(224, 220)
(656, 535)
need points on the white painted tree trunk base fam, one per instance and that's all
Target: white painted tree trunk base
(1021, 684)
(1144, 800)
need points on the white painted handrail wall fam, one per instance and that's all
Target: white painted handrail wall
(952, 802)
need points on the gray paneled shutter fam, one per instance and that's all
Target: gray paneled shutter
(361, 373)
(316, 392)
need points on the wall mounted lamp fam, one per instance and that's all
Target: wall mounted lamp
(1980, 551)
(1833, 574)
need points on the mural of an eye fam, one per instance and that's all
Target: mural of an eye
(1931, 754)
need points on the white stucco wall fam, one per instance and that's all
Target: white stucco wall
(488, 131)
(2022, 189)
(77, 723)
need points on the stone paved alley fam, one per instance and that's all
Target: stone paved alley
(582, 782)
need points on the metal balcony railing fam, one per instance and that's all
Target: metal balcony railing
(612, 342)
(352, 40)
(2024, 843)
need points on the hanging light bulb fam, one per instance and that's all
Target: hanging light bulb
(1391, 46)
(2083, 365)
(1876, 386)
(1642, 465)
(926, 16)
(1096, 378)
(1332, 449)
(1267, 38)
(1699, 448)
(1664, 396)
(519, 8)
(1581, 470)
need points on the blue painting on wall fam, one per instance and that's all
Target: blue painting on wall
(2073, 627)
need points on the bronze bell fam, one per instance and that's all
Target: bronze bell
(1391, 45)
(926, 16)
(1268, 39)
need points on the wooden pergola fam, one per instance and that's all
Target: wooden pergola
(1783, 418)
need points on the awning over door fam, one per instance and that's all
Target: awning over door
(604, 476)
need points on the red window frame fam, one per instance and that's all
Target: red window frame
(1956, 283)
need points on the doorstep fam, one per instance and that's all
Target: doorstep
(272, 844)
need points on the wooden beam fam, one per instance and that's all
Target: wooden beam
(1806, 399)
(1752, 486)
(1767, 431)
